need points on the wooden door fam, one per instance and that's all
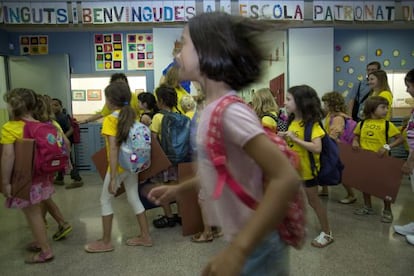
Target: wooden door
(277, 87)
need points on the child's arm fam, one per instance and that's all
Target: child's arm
(408, 166)
(113, 163)
(283, 183)
(167, 193)
(337, 127)
(314, 146)
(7, 161)
(399, 139)
(355, 142)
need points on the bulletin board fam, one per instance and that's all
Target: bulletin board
(34, 45)
(108, 52)
(140, 51)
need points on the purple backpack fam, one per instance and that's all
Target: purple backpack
(348, 134)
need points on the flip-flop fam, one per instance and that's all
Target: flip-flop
(139, 241)
(39, 258)
(201, 237)
(98, 247)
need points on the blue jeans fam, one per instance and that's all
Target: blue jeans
(271, 257)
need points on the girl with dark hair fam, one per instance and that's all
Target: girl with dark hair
(224, 54)
(304, 107)
(148, 104)
(115, 129)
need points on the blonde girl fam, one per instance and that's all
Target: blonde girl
(334, 105)
(21, 103)
(371, 136)
(265, 106)
(115, 129)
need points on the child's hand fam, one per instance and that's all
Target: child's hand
(382, 152)
(163, 194)
(229, 261)
(355, 145)
(113, 186)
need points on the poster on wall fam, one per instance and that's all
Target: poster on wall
(108, 52)
(33, 45)
(140, 51)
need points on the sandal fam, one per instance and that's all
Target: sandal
(323, 240)
(163, 222)
(202, 237)
(139, 241)
(98, 247)
(216, 231)
(33, 247)
(41, 257)
(348, 200)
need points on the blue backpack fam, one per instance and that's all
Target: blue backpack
(331, 167)
(175, 137)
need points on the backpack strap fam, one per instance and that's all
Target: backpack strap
(308, 138)
(217, 153)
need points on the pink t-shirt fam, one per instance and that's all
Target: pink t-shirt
(240, 124)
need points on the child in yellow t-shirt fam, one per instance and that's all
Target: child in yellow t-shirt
(370, 135)
(304, 107)
(265, 106)
(115, 129)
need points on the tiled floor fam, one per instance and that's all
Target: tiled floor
(363, 246)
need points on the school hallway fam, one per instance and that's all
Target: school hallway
(363, 245)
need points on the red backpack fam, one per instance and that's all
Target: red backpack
(76, 139)
(292, 229)
(50, 152)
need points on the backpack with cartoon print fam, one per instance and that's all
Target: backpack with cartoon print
(50, 152)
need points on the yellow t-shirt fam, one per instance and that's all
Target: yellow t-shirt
(109, 128)
(13, 130)
(387, 95)
(372, 136)
(134, 104)
(156, 124)
(190, 114)
(299, 130)
(269, 122)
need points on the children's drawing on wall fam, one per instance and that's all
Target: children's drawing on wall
(33, 45)
(140, 51)
(108, 52)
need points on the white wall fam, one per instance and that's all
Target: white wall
(311, 58)
(164, 39)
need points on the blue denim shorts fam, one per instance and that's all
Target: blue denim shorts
(271, 257)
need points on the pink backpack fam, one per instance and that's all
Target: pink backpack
(50, 152)
(292, 229)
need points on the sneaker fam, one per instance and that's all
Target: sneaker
(74, 184)
(59, 182)
(405, 230)
(364, 211)
(387, 216)
(62, 232)
(410, 239)
(163, 222)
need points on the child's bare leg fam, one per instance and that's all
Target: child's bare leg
(54, 211)
(367, 200)
(107, 228)
(37, 225)
(320, 210)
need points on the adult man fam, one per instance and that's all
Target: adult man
(360, 93)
